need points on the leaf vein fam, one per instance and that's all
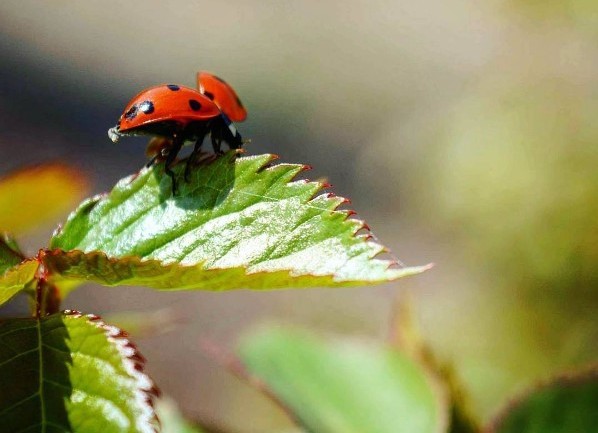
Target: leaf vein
(12, 331)
(58, 384)
(18, 403)
(18, 355)
(56, 349)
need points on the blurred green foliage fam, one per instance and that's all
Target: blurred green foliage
(516, 180)
(581, 14)
(511, 183)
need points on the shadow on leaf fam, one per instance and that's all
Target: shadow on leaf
(210, 180)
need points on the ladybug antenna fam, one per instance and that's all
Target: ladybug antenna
(114, 134)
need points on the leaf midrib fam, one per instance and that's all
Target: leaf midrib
(184, 230)
(41, 376)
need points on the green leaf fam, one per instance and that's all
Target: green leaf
(15, 272)
(71, 373)
(237, 223)
(568, 404)
(344, 386)
(16, 279)
(10, 254)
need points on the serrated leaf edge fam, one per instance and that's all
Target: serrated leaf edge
(390, 268)
(134, 363)
(47, 255)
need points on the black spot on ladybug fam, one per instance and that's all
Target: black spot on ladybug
(209, 95)
(173, 87)
(131, 113)
(194, 104)
(147, 107)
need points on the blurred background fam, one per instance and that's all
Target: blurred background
(464, 132)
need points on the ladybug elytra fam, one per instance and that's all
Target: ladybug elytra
(222, 94)
(179, 114)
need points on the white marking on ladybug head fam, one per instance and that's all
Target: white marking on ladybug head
(232, 129)
(231, 126)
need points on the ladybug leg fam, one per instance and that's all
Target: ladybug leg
(216, 144)
(193, 155)
(177, 143)
(236, 142)
(152, 161)
(162, 153)
(216, 136)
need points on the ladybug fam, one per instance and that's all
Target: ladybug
(222, 94)
(180, 114)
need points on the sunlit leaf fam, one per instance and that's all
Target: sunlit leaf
(38, 195)
(237, 223)
(568, 404)
(344, 386)
(16, 279)
(71, 373)
(10, 254)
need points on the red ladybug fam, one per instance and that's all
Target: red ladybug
(222, 94)
(180, 114)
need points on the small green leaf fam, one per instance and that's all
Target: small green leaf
(71, 373)
(568, 404)
(237, 223)
(16, 279)
(344, 386)
(15, 273)
(10, 253)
